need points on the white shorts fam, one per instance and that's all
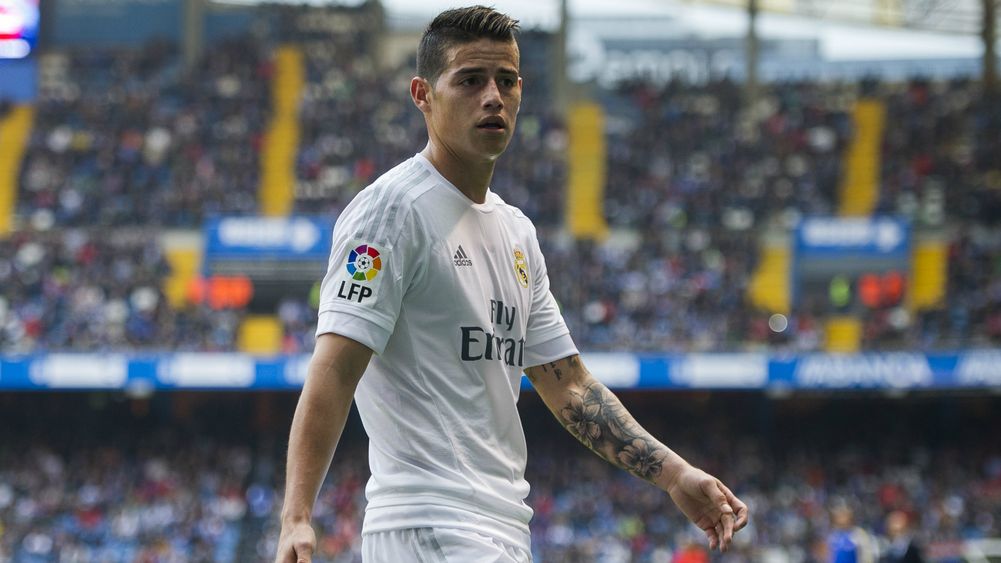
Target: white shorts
(438, 545)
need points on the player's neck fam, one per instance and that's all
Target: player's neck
(471, 178)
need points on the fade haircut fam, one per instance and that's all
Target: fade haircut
(455, 27)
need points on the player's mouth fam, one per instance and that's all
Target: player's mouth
(492, 123)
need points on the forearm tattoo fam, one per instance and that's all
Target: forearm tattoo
(600, 422)
(553, 368)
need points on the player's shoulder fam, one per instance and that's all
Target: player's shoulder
(381, 209)
(392, 194)
(514, 213)
(404, 183)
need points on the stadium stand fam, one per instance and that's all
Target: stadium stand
(128, 156)
(197, 477)
(689, 247)
(123, 138)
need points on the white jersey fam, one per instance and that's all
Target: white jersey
(453, 297)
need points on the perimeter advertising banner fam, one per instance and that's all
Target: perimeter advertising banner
(897, 371)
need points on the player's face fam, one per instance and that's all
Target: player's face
(473, 105)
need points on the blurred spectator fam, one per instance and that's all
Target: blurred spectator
(847, 543)
(901, 546)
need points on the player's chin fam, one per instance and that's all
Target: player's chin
(491, 148)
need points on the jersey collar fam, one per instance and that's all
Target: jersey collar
(488, 203)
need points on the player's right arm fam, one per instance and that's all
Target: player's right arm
(596, 417)
(336, 367)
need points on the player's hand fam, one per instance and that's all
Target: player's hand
(296, 543)
(709, 504)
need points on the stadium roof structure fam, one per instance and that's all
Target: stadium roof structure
(949, 16)
(847, 30)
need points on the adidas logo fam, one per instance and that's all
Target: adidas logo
(461, 258)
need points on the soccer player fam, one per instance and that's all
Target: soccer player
(446, 285)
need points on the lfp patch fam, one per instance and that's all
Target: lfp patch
(364, 263)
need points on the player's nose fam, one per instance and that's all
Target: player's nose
(492, 95)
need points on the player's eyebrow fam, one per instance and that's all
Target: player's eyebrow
(482, 70)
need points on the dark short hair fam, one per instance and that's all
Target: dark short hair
(457, 26)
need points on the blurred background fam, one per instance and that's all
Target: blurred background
(774, 227)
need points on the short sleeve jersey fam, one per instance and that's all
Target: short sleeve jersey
(453, 297)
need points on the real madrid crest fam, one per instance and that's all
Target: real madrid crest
(520, 267)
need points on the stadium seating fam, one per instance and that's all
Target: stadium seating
(689, 175)
(126, 155)
(200, 478)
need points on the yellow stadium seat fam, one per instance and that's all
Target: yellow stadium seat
(15, 128)
(769, 286)
(928, 275)
(860, 181)
(585, 201)
(281, 141)
(184, 254)
(844, 334)
(260, 335)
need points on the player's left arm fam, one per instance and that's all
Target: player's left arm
(596, 417)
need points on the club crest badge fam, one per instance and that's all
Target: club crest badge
(520, 267)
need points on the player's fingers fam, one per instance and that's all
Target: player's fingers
(726, 536)
(724, 513)
(720, 536)
(739, 508)
(286, 556)
(303, 552)
(721, 512)
(713, 538)
(286, 551)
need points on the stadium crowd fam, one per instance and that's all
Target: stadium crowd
(692, 175)
(121, 487)
(161, 501)
(127, 144)
(357, 122)
(82, 290)
(130, 138)
(942, 147)
(125, 139)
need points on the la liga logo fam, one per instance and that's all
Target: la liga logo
(364, 263)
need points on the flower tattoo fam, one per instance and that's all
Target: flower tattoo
(598, 420)
(639, 458)
(582, 417)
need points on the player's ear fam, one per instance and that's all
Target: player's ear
(420, 93)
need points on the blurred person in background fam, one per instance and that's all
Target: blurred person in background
(690, 551)
(848, 543)
(446, 283)
(901, 547)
